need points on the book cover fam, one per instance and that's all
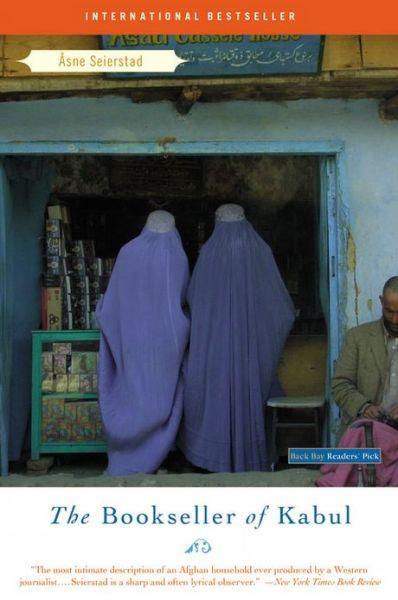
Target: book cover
(213, 447)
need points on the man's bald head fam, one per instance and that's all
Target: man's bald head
(391, 285)
(389, 303)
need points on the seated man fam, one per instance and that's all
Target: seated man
(365, 383)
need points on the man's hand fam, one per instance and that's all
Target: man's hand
(394, 413)
(372, 412)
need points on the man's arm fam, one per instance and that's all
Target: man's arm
(344, 382)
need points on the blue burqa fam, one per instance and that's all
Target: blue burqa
(144, 337)
(241, 314)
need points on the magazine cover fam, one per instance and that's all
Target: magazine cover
(198, 299)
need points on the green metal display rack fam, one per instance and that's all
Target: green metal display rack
(40, 338)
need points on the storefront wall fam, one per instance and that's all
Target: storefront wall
(367, 150)
(369, 176)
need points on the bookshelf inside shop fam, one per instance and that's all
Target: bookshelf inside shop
(65, 410)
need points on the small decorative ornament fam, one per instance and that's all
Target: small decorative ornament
(199, 545)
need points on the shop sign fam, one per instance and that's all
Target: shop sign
(227, 55)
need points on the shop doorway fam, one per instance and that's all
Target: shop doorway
(307, 217)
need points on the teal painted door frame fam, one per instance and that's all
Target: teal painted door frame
(331, 154)
(5, 316)
(332, 237)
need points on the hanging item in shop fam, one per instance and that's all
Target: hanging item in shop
(144, 333)
(241, 314)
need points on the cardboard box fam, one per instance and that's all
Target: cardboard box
(83, 412)
(76, 248)
(62, 348)
(76, 265)
(59, 211)
(60, 364)
(55, 267)
(46, 413)
(90, 431)
(95, 413)
(67, 315)
(80, 286)
(47, 382)
(52, 308)
(94, 293)
(78, 432)
(64, 431)
(81, 320)
(86, 383)
(47, 362)
(94, 267)
(61, 383)
(49, 431)
(54, 246)
(54, 211)
(56, 407)
(73, 383)
(70, 412)
(53, 228)
(84, 362)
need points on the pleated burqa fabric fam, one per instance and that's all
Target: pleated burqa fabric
(143, 341)
(241, 314)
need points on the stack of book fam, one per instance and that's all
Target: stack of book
(66, 420)
(74, 278)
(57, 234)
(65, 371)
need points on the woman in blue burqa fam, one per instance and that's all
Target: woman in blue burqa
(241, 314)
(144, 333)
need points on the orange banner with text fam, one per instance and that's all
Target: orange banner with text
(199, 16)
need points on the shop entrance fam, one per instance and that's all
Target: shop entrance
(290, 198)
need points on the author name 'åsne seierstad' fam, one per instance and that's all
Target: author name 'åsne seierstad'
(202, 515)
